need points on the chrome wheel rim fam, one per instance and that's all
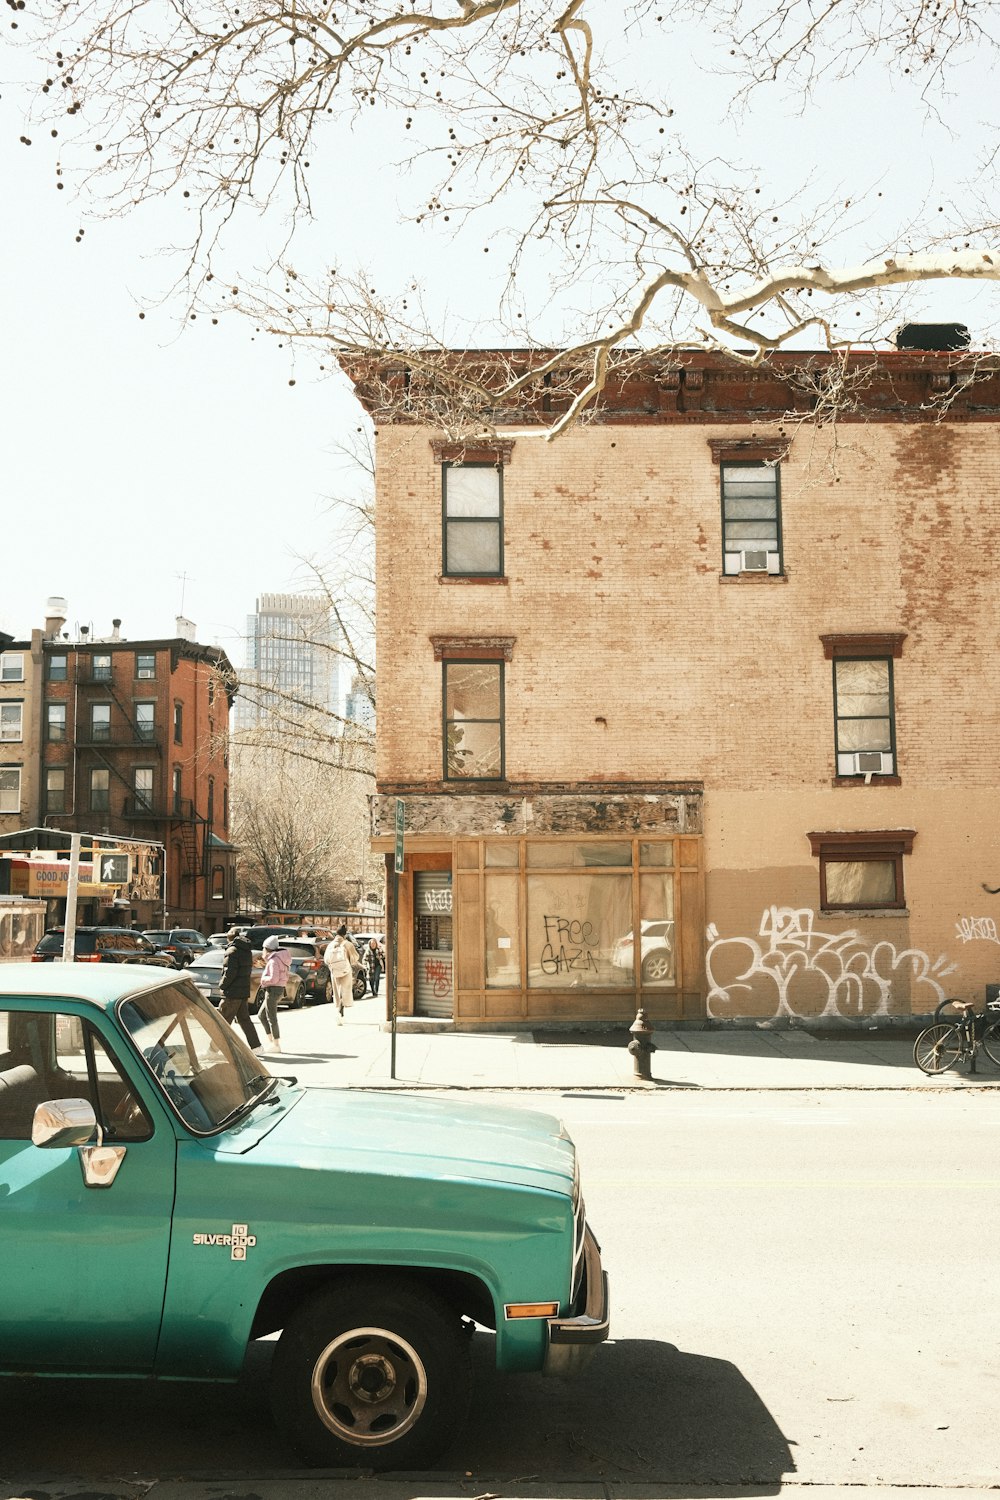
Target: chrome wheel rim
(369, 1387)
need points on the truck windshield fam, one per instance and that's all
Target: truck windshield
(206, 1073)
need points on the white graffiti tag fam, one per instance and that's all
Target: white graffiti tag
(437, 900)
(973, 929)
(793, 970)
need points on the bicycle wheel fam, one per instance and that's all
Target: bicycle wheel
(991, 1042)
(937, 1048)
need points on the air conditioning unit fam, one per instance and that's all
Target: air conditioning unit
(865, 763)
(752, 560)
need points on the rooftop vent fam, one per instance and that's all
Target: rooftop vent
(932, 337)
(55, 616)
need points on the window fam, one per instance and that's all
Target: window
(218, 883)
(210, 809)
(11, 715)
(211, 691)
(225, 809)
(473, 520)
(751, 518)
(10, 789)
(178, 723)
(863, 704)
(12, 666)
(145, 664)
(862, 871)
(58, 667)
(145, 720)
(862, 694)
(142, 780)
(55, 789)
(100, 789)
(177, 789)
(55, 721)
(100, 667)
(82, 1066)
(100, 721)
(473, 720)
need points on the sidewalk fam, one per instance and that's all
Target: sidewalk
(358, 1055)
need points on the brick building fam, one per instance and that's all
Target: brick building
(692, 707)
(134, 743)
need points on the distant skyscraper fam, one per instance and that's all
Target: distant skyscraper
(292, 659)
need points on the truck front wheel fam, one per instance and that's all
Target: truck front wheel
(372, 1373)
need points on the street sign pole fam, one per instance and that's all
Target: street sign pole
(72, 888)
(397, 870)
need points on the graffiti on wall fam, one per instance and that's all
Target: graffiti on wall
(437, 976)
(569, 946)
(793, 970)
(976, 929)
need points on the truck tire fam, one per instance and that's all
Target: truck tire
(372, 1373)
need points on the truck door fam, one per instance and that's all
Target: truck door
(82, 1269)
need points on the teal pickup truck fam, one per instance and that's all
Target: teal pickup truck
(164, 1200)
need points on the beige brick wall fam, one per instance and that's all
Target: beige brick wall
(613, 558)
(633, 661)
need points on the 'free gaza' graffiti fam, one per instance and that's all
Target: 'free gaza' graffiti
(792, 969)
(568, 946)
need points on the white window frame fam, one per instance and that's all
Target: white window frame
(11, 732)
(12, 666)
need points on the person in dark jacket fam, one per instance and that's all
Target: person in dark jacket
(374, 957)
(237, 970)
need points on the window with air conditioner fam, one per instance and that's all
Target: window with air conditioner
(751, 518)
(864, 720)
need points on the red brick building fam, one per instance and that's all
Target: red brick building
(134, 743)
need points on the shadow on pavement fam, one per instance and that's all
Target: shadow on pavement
(643, 1413)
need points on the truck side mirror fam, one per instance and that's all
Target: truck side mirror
(59, 1123)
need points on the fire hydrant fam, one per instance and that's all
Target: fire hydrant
(642, 1046)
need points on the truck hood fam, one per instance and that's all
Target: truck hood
(405, 1136)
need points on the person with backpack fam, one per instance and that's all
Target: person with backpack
(341, 958)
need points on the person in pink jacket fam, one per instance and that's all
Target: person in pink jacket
(272, 983)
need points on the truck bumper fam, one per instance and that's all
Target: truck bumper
(571, 1342)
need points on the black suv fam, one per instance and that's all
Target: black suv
(101, 945)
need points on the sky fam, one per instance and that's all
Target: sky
(152, 467)
(146, 472)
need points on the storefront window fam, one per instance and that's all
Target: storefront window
(576, 927)
(570, 855)
(501, 856)
(503, 945)
(656, 930)
(660, 856)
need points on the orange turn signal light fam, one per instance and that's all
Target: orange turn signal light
(530, 1309)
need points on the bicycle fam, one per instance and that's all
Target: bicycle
(943, 1044)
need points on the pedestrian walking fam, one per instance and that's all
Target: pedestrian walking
(374, 963)
(272, 982)
(237, 972)
(341, 958)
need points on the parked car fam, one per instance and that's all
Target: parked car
(656, 951)
(164, 942)
(172, 1201)
(206, 972)
(190, 937)
(307, 963)
(101, 945)
(217, 940)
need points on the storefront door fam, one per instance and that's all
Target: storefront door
(434, 985)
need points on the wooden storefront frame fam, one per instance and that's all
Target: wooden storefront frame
(478, 1006)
